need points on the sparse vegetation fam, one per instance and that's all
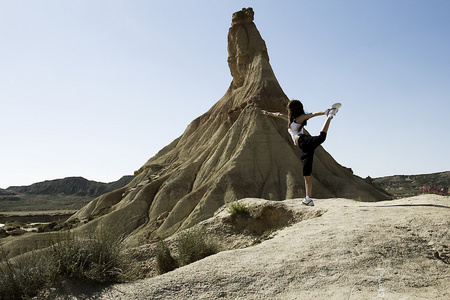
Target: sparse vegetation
(237, 209)
(97, 259)
(46, 227)
(35, 202)
(430, 188)
(165, 262)
(192, 245)
(25, 275)
(11, 225)
(401, 186)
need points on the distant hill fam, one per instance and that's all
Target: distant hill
(70, 193)
(410, 185)
(8, 196)
(70, 186)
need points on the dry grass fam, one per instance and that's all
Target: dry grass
(25, 275)
(191, 245)
(98, 259)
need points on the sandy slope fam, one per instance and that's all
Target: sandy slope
(385, 250)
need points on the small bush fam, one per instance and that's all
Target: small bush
(237, 209)
(11, 225)
(432, 189)
(25, 275)
(192, 246)
(165, 262)
(3, 233)
(46, 227)
(97, 259)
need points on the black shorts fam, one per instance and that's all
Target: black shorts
(308, 144)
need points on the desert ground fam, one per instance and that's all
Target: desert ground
(345, 249)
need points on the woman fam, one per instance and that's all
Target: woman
(297, 119)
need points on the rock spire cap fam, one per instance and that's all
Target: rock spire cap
(245, 15)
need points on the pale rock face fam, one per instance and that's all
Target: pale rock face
(244, 43)
(231, 152)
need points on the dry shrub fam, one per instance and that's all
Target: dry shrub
(23, 276)
(99, 258)
(165, 262)
(193, 245)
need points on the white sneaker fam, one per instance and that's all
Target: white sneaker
(333, 110)
(308, 201)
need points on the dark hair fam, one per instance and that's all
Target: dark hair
(295, 109)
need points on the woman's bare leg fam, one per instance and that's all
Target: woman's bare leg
(308, 185)
(326, 124)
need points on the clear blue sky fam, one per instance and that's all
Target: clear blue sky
(96, 88)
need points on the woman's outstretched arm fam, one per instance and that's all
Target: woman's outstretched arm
(305, 117)
(275, 114)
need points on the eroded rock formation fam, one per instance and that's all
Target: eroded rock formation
(231, 152)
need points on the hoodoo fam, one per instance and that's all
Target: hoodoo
(230, 152)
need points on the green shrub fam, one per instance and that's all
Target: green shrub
(97, 259)
(430, 188)
(237, 209)
(165, 262)
(11, 225)
(46, 227)
(23, 276)
(192, 246)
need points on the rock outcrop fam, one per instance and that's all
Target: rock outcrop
(392, 250)
(231, 152)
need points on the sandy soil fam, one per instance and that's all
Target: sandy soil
(385, 250)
